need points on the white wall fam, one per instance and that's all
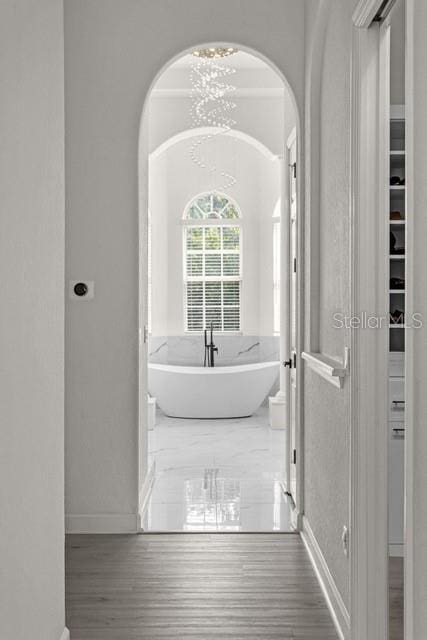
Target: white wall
(113, 52)
(327, 409)
(174, 181)
(31, 321)
(260, 117)
(397, 53)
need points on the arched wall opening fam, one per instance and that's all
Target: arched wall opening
(108, 80)
(164, 167)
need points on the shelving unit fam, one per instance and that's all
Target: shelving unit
(397, 226)
(396, 332)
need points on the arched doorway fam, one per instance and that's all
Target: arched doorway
(210, 270)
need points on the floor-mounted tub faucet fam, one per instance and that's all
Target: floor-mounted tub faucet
(210, 349)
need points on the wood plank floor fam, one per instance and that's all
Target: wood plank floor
(195, 586)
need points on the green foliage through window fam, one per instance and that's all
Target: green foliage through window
(212, 206)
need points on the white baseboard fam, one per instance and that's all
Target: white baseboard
(277, 414)
(396, 550)
(102, 523)
(145, 491)
(65, 635)
(296, 517)
(333, 598)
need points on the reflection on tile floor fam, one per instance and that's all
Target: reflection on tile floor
(217, 475)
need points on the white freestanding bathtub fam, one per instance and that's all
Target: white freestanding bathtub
(217, 392)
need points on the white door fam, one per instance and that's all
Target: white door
(293, 324)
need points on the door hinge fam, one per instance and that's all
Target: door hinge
(295, 265)
(293, 166)
(145, 334)
(294, 456)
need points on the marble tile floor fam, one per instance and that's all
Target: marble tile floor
(218, 476)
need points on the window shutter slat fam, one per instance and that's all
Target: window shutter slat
(212, 265)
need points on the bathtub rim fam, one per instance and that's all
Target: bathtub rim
(217, 370)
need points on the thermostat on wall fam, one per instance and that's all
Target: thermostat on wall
(82, 289)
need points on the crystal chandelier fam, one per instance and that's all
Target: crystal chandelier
(214, 52)
(210, 106)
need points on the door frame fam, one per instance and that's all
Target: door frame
(298, 511)
(369, 612)
(415, 443)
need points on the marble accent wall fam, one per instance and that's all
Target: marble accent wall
(189, 349)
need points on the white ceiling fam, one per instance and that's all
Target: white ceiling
(251, 73)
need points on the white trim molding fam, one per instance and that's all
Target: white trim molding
(240, 92)
(369, 348)
(102, 523)
(336, 606)
(367, 10)
(295, 137)
(65, 635)
(145, 492)
(414, 565)
(331, 369)
(415, 340)
(196, 132)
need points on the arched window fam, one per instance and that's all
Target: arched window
(212, 263)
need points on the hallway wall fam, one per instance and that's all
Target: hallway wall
(397, 54)
(31, 321)
(327, 409)
(113, 50)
